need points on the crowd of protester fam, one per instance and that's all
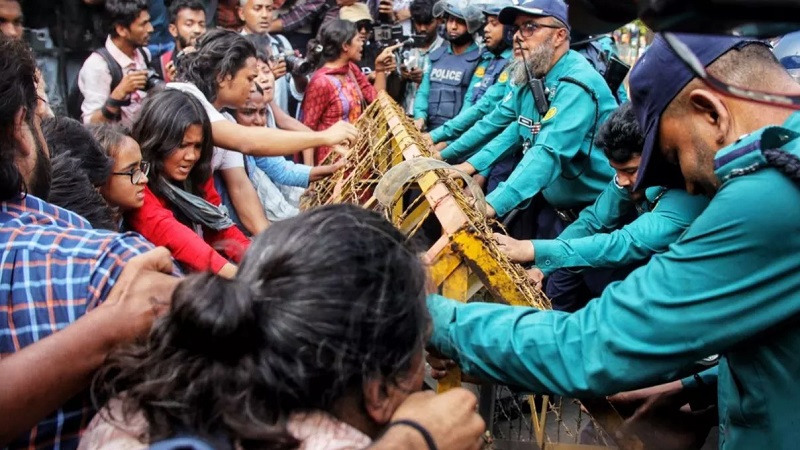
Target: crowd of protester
(165, 288)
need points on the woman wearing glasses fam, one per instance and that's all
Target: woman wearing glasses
(124, 189)
(181, 208)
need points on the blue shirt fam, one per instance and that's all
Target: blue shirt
(282, 171)
(55, 268)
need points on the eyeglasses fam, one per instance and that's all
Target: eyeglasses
(693, 63)
(137, 173)
(528, 28)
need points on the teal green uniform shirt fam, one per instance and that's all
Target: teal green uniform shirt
(600, 239)
(730, 286)
(500, 120)
(562, 162)
(610, 47)
(469, 116)
(421, 99)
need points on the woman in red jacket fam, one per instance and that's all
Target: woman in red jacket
(338, 90)
(181, 206)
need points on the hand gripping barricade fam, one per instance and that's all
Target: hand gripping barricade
(390, 158)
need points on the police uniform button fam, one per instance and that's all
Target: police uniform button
(547, 262)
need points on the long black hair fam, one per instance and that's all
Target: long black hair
(67, 135)
(220, 54)
(323, 302)
(17, 93)
(331, 38)
(72, 189)
(159, 130)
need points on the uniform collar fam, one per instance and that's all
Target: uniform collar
(472, 47)
(562, 65)
(745, 156)
(488, 55)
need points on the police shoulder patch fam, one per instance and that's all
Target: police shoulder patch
(480, 71)
(503, 77)
(550, 113)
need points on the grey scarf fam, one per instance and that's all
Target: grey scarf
(196, 209)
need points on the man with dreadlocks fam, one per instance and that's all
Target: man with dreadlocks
(730, 285)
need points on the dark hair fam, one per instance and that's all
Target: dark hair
(179, 5)
(262, 44)
(72, 189)
(232, 111)
(330, 39)
(109, 137)
(220, 53)
(17, 92)
(422, 11)
(619, 136)
(123, 12)
(159, 130)
(67, 135)
(323, 302)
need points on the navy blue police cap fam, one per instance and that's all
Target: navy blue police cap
(541, 8)
(655, 80)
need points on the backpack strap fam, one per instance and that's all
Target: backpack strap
(145, 56)
(113, 67)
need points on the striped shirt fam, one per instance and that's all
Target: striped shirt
(55, 268)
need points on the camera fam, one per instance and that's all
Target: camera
(388, 34)
(297, 66)
(153, 80)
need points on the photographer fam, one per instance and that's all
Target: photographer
(289, 69)
(125, 51)
(427, 26)
(187, 22)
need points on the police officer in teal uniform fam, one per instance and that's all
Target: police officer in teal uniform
(730, 285)
(446, 86)
(618, 233)
(490, 80)
(599, 51)
(555, 135)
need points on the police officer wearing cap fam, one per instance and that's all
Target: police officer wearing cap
(446, 87)
(490, 81)
(616, 234)
(555, 136)
(730, 285)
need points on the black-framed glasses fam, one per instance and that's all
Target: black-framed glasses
(698, 69)
(527, 29)
(137, 173)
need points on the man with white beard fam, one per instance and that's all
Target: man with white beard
(551, 131)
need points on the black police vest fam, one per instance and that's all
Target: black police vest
(450, 78)
(493, 71)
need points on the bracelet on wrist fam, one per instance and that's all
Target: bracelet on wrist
(426, 435)
(114, 103)
(108, 114)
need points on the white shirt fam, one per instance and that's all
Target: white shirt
(223, 158)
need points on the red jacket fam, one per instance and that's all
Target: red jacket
(333, 95)
(156, 222)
